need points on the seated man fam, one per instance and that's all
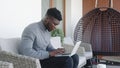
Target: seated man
(35, 42)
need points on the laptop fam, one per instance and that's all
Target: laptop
(72, 52)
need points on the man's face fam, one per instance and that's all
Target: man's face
(52, 23)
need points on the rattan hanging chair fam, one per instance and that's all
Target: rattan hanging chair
(101, 29)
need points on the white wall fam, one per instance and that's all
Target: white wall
(45, 6)
(68, 18)
(74, 13)
(59, 5)
(15, 15)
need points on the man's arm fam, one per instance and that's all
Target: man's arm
(26, 46)
(53, 51)
(50, 47)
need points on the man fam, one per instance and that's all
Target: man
(35, 42)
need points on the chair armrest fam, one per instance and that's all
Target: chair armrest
(88, 50)
(69, 48)
(81, 51)
(19, 61)
(87, 46)
(6, 64)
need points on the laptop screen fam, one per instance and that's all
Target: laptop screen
(75, 48)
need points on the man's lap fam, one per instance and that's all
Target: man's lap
(58, 62)
(54, 62)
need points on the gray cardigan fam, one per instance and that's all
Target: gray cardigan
(35, 41)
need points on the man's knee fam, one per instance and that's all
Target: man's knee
(69, 59)
(75, 58)
(69, 62)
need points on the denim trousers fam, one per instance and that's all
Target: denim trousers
(61, 62)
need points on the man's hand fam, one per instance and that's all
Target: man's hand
(57, 51)
(61, 50)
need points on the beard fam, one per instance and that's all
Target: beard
(48, 27)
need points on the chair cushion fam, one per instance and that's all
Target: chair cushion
(10, 45)
(0, 48)
(68, 41)
(56, 42)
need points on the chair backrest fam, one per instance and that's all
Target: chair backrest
(0, 48)
(10, 44)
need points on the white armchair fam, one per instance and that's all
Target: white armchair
(9, 53)
(88, 50)
(88, 53)
(6, 64)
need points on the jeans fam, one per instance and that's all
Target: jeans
(61, 62)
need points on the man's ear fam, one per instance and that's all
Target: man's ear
(46, 20)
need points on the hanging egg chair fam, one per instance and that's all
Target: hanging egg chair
(101, 29)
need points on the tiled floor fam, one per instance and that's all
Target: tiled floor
(94, 65)
(108, 66)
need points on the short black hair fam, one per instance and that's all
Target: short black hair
(54, 13)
